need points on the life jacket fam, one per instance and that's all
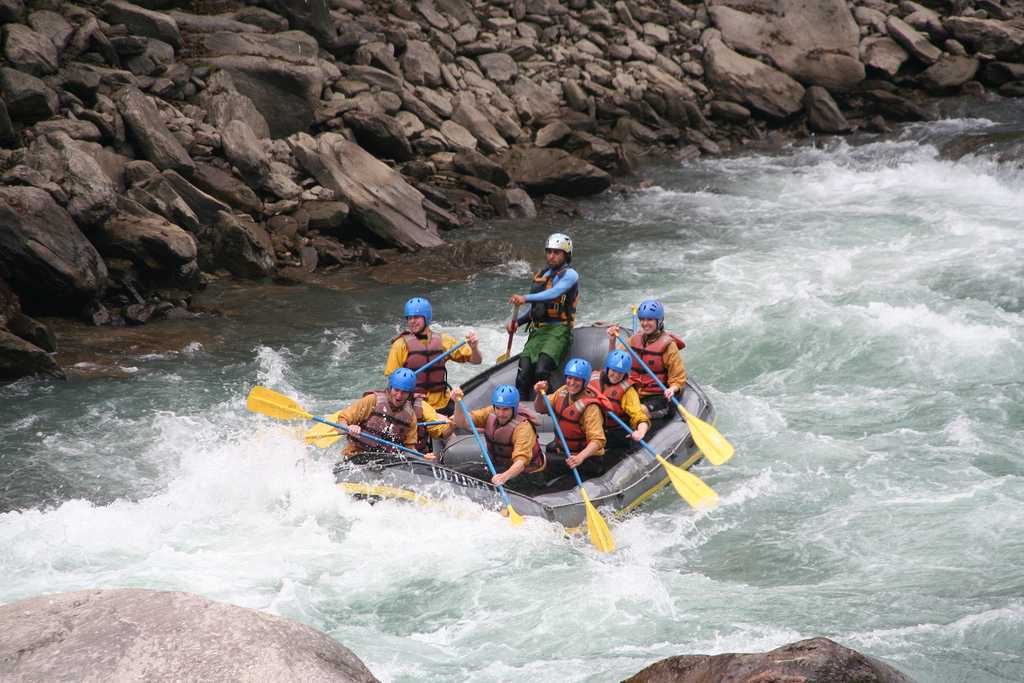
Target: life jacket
(385, 423)
(499, 440)
(563, 309)
(653, 355)
(570, 419)
(614, 392)
(434, 378)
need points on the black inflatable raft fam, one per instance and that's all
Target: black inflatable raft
(632, 477)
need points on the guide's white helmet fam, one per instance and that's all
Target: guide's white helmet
(560, 241)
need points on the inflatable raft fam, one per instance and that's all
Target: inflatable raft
(632, 477)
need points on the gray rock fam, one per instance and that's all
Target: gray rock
(159, 196)
(472, 163)
(52, 25)
(823, 114)
(519, 204)
(139, 171)
(378, 197)
(409, 123)
(554, 171)
(28, 98)
(457, 137)
(33, 331)
(866, 16)
(927, 21)
(20, 358)
(263, 18)
(420, 64)
(814, 41)
(29, 51)
(469, 116)
(279, 73)
(227, 188)
(223, 103)
(312, 16)
(378, 77)
(44, 255)
(147, 129)
(73, 128)
(1002, 39)
(948, 73)
(324, 216)
(242, 246)
(134, 634)
(144, 22)
(750, 82)
(552, 134)
(729, 111)
(211, 23)
(206, 208)
(91, 194)
(420, 108)
(379, 134)
(164, 252)
(154, 59)
(243, 149)
(913, 41)
(498, 66)
(11, 11)
(8, 136)
(884, 54)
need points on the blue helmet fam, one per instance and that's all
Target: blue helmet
(619, 361)
(652, 309)
(578, 368)
(402, 379)
(505, 396)
(418, 306)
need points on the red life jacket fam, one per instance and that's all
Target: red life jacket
(387, 424)
(561, 310)
(435, 378)
(652, 354)
(614, 392)
(499, 441)
(570, 419)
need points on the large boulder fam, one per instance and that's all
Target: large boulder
(379, 134)
(948, 73)
(29, 51)
(816, 660)
(311, 16)
(814, 41)
(915, 42)
(245, 151)
(136, 635)
(227, 188)
(999, 38)
(554, 171)
(278, 72)
(44, 255)
(149, 132)
(421, 64)
(20, 358)
(748, 81)
(884, 54)
(243, 246)
(468, 115)
(164, 253)
(223, 104)
(28, 98)
(143, 22)
(377, 195)
(91, 193)
(823, 114)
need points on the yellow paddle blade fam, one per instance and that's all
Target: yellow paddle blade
(514, 516)
(501, 359)
(597, 528)
(321, 435)
(273, 404)
(689, 486)
(708, 439)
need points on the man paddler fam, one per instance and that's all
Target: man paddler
(387, 414)
(661, 351)
(579, 415)
(417, 345)
(553, 299)
(510, 432)
(618, 395)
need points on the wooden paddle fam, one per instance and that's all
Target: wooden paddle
(508, 349)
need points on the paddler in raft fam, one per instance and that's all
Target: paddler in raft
(553, 299)
(510, 432)
(661, 351)
(417, 345)
(579, 415)
(618, 395)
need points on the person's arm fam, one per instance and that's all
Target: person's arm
(357, 413)
(412, 437)
(593, 427)
(674, 367)
(430, 415)
(639, 420)
(397, 356)
(470, 353)
(524, 438)
(564, 283)
(538, 402)
(613, 337)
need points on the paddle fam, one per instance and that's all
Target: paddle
(508, 349)
(689, 486)
(441, 357)
(598, 530)
(708, 439)
(269, 402)
(513, 516)
(636, 321)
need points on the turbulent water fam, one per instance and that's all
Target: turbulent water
(855, 309)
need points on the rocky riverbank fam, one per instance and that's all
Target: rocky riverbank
(151, 147)
(134, 634)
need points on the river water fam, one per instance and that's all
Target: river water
(855, 310)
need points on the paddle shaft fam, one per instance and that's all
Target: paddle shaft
(441, 357)
(483, 449)
(515, 317)
(561, 436)
(370, 437)
(650, 372)
(431, 423)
